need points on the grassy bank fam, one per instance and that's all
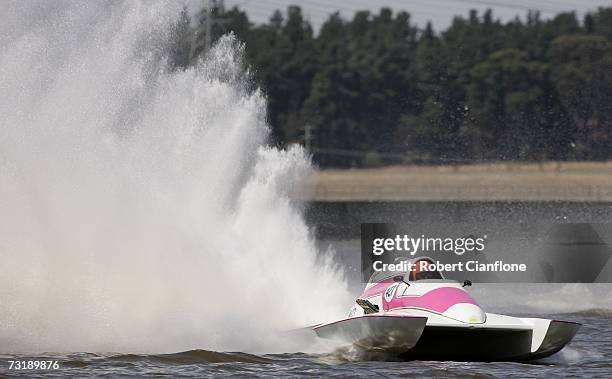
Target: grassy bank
(549, 181)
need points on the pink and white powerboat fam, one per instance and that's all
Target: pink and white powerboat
(420, 315)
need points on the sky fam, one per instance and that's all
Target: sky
(440, 12)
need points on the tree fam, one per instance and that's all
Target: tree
(581, 67)
(528, 89)
(508, 115)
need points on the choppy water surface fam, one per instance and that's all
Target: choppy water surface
(589, 355)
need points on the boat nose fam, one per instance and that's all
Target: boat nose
(466, 312)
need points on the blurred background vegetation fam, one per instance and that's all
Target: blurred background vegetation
(376, 90)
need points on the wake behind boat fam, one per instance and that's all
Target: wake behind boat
(421, 315)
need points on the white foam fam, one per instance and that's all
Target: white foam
(140, 209)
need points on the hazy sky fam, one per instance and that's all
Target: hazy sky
(440, 12)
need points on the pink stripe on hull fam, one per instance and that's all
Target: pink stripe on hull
(376, 289)
(437, 300)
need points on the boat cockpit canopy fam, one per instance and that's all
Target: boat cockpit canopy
(423, 270)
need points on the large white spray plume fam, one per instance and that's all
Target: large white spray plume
(140, 209)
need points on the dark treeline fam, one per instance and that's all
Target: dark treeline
(378, 90)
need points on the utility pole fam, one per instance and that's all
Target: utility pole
(307, 136)
(207, 21)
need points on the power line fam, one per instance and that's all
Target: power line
(510, 6)
(419, 9)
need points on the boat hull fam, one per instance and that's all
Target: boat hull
(387, 333)
(410, 338)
